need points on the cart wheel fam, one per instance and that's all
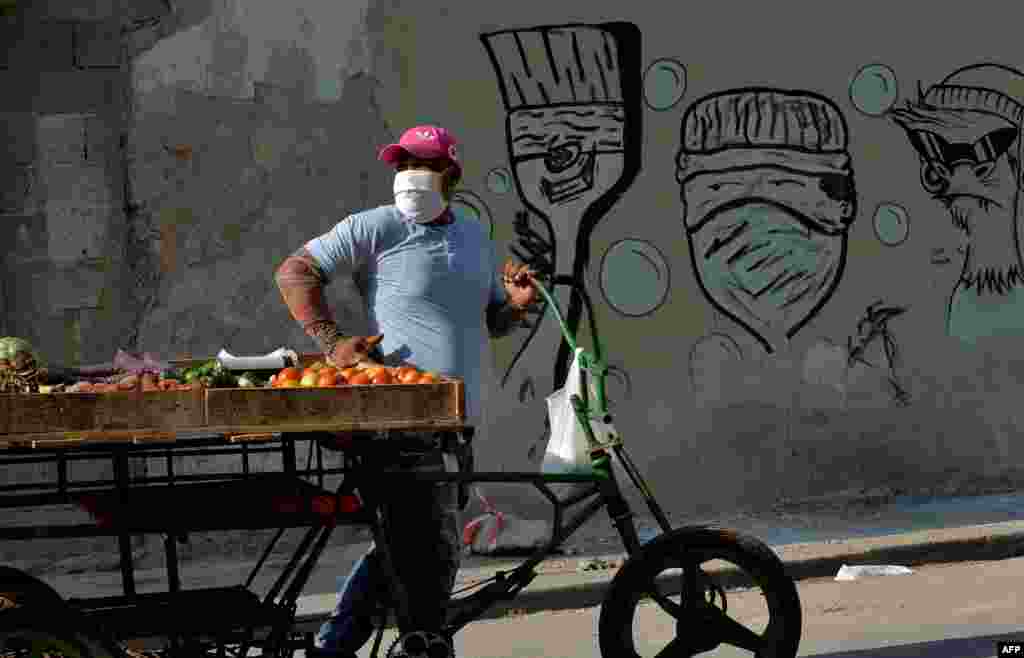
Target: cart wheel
(35, 621)
(51, 632)
(702, 622)
(18, 589)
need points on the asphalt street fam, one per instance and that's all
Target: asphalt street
(939, 611)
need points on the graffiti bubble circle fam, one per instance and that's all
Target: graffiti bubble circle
(469, 206)
(634, 277)
(499, 180)
(892, 224)
(664, 84)
(874, 90)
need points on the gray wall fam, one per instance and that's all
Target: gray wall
(254, 126)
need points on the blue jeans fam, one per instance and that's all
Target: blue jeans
(420, 516)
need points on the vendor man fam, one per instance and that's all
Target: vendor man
(430, 284)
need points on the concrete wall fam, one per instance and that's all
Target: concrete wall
(863, 363)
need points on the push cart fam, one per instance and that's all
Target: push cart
(670, 571)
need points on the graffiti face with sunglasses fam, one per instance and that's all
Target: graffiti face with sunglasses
(967, 137)
(969, 175)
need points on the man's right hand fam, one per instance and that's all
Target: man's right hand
(348, 352)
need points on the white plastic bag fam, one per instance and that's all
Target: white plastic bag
(494, 532)
(568, 450)
(847, 572)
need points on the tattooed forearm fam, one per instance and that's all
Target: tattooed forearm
(301, 283)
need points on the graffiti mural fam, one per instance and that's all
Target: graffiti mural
(872, 348)
(966, 132)
(573, 101)
(768, 197)
(873, 332)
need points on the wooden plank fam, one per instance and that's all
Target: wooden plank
(425, 425)
(460, 399)
(297, 409)
(70, 412)
(150, 438)
(263, 437)
(72, 439)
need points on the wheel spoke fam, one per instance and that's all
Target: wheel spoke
(674, 649)
(732, 632)
(669, 606)
(688, 590)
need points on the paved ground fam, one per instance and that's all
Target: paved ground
(813, 541)
(939, 611)
(578, 579)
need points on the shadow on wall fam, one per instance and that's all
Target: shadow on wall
(838, 426)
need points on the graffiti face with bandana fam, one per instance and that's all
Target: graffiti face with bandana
(768, 197)
(966, 133)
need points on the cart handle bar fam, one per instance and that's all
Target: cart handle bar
(593, 363)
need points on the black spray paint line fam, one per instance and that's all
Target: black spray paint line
(873, 327)
(539, 253)
(732, 349)
(625, 64)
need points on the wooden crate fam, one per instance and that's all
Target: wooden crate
(399, 406)
(99, 412)
(158, 415)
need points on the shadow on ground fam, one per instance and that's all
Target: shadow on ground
(970, 647)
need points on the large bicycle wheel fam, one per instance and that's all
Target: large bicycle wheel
(35, 621)
(668, 580)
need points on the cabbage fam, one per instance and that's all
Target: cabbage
(17, 354)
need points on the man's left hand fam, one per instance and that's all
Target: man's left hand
(518, 280)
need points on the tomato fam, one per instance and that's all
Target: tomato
(359, 379)
(308, 379)
(427, 378)
(326, 379)
(348, 372)
(289, 374)
(273, 381)
(309, 371)
(382, 377)
(327, 370)
(372, 371)
(407, 375)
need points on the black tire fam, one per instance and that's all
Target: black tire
(17, 588)
(780, 639)
(33, 615)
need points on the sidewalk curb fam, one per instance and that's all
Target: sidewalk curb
(803, 562)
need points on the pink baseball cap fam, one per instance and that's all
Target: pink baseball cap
(427, 142)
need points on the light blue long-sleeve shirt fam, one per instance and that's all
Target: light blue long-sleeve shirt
(426, 289)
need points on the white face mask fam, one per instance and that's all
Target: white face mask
(418, 195)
